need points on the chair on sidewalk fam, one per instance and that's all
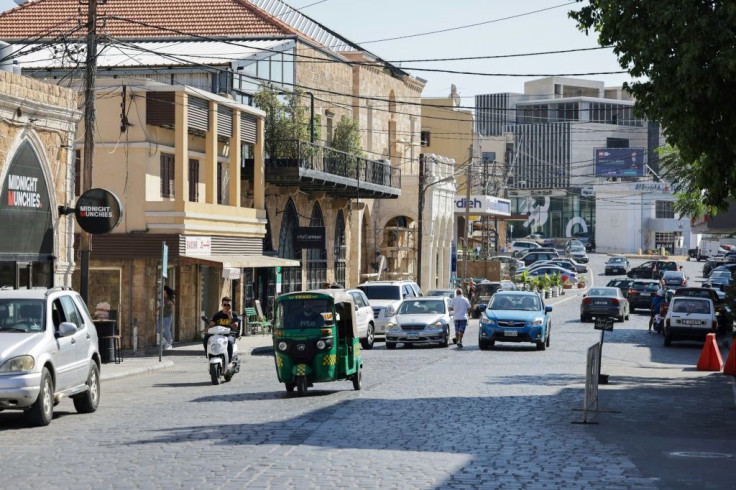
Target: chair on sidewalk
(267, 324)
(253, 322)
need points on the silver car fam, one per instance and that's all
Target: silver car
(48, 351)
(425, 320)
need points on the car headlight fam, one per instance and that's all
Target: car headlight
(392, 326)
(485, 320)
(437, 325)
(18, 364)
(321, 344)
(390, 310)
(282, 346)
(537, 321)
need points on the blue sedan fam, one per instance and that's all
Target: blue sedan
(515, 316)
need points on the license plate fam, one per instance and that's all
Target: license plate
(511, 333)
(601, 302)
(412, 336)
(691, 322)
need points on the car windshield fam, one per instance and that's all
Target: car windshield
(617, 260)
(486, 290)
(720, 274)
(603, 292)
(645, 286)
(515, 302)
(421, 307)
(381, 291)
(691, 306)
(21, 315)
(672, 275)
(304, 313)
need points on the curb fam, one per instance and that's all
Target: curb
(136, 371)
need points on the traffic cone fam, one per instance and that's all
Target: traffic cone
(730, 366)
(710, 358)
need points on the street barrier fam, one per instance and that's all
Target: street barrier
(592, 370)
(730, 366)
(710, 358)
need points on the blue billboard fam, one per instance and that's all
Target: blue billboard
(619, 162)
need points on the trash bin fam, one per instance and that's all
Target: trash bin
(105, 339)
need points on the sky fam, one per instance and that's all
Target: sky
(503, 28)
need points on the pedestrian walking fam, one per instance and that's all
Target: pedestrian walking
(460, 308)
(169, 305)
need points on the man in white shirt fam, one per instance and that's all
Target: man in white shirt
(460, 307)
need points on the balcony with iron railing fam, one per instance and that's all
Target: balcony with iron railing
(315, 168)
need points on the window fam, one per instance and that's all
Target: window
(664, 209)
(488, 156)
(77, 172)
(167, 175)
(425, 138)
(328, 129)
(617, 143)
(193, 180)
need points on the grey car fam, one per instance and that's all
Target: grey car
(48, 351)
(604, 302)
(425, 320)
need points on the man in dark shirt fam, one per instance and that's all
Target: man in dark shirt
(226, 317)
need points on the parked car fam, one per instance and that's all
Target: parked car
(551, 270)
(515, 316)
(447, 293)
(604, 302)
(573, 243)
(640, 293)
(509, 264)
(720, 279)
(622, 284)
(523, 246)
(364, 316)
(617, 265)
(385, 298)
(674, 279)
(535, 256)
(425, 320)
(578, 254)
(48, 350)
(689, 318)
(558, 262)
(483, 293)
(647, 270)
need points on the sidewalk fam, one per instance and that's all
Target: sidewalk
(147, 360)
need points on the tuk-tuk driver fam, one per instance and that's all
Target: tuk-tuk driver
(310, 318)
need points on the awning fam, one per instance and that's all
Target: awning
(239, 261)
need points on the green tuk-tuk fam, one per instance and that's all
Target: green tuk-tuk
(315, 339)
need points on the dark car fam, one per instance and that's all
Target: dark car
(535, 256)
(652, 269)
(622, 284)
(617, 265)
(483, 293)
(604, 302)
(719, 279)
(640, 293)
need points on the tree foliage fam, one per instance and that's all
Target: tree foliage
(683, 55)
(286, 122)
(347, 136)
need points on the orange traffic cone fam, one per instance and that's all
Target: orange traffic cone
(710, 358)
(730, 366)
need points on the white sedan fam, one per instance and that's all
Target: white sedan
(424, 320)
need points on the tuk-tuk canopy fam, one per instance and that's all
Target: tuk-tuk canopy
(344, 306)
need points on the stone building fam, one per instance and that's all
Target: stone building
(38, 123)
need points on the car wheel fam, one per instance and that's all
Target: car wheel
(358, 379)
(445, 339)
(484, 344)
(88, 401)
(583, 318)
(370, 337)
(42, 410)
(667, 339)
(390, 345)
(548, 336)
(541, 346)
(634, 275)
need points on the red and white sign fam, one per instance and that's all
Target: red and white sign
(198, 245)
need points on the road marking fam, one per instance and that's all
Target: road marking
(700, 454)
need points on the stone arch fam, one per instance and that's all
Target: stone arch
(316, 258)
(291, 277)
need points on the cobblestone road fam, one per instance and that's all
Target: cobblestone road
(426, 418)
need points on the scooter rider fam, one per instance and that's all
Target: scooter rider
(226, 318)
(657, 301)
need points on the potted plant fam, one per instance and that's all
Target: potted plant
(556, 281)
(566, 284)
(581, 282)
(524, 279)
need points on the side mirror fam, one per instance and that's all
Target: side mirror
(356, 308)
(66, 329)
(547, 309)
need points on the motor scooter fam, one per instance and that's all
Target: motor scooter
(220, 365)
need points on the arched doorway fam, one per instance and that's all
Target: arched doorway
(291, 277)
(26, 254)
(340, 249)
(316, 258)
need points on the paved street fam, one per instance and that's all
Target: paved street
(426, 418)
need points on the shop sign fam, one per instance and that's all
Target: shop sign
(98, 211)
(309, 237)
(25, 207)
(198, 245)
(484, 206)
(230, 273)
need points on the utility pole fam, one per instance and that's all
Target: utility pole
(89, 142)
(467, 214)
(420, 220)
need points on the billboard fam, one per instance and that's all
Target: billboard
(619, 162)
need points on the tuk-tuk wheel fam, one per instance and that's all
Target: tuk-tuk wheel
(301, 385)
(290, 387)
(358, 379)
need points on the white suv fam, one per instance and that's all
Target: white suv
(523, 246)
(48, 350)
(386, 297)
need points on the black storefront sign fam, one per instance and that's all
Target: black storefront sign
(309, 237)
(25, 213)
(98, 211)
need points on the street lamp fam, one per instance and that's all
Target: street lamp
(420, 214)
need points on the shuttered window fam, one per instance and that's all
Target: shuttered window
(193, 180)
(167, 175)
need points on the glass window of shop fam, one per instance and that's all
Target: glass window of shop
(572, 214)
